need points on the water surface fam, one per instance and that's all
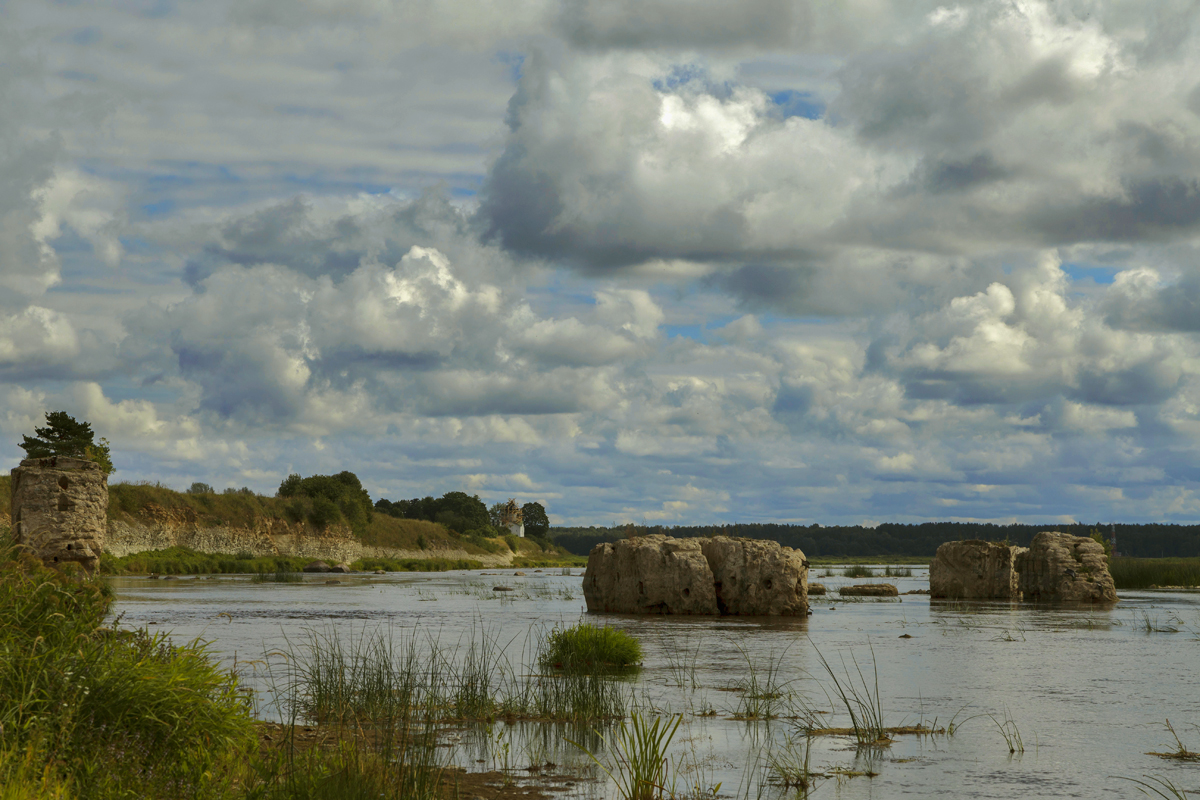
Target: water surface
(1088, 689)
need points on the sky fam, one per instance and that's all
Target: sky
(649, 261)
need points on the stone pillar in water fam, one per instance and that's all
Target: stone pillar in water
(60, 510)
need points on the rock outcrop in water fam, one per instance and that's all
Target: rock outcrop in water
(59, 509)
(975, 569)
(1060, 566)
(722, 575)
(1055, 566)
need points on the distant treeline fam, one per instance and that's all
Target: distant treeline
(921, 539)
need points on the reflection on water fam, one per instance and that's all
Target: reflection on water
(1088, 689)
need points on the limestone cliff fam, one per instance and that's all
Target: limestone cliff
(155, 527)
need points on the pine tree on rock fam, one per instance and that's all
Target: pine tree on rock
(66, 436)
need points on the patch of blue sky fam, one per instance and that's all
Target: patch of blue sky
(704, 332)
(685, 75)
(681, 75)
(159, 208)
(515, 62)
(320, 184)
(792, 103)
(1096, 274)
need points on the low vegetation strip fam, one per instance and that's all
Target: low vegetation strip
(182, 561)
(1146, 573)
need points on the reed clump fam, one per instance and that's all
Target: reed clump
(640, 768)
(590, 649)
(861, 700)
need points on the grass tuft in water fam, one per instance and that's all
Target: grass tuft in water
(641, 768)
(762, 694)
(590, 649)
(791, 766)
(1180, 753)
(862, 702)
(858, 571)
(279, 576)
(1008, 729)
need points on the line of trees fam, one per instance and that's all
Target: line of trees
(465, 513)
(920, 539)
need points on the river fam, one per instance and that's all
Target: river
(1088, 690)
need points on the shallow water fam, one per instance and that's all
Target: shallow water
(1088, 689)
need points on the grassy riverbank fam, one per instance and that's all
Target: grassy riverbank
(182, 561)
(92, 712)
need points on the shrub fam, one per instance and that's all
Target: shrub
(334, 498)
(588, 648)
(513, 542)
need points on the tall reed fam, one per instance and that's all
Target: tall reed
(861, 700)
(640, 767)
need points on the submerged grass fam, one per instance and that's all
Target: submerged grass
(1144, 573)
(1180, 753)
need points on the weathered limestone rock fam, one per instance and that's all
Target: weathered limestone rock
(975, 569)
(649, 575)
(661, 575)
(1061, 566)
(753, 577)
(869, 590)
(59, 510)
(317, 566)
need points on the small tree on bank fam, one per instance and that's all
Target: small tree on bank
(66, 436)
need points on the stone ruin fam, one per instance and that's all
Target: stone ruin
(60, 510)
(722, 575)
(513, 518)
(1055, 566)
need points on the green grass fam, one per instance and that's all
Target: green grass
(1142, 573)
(861, 700)
(871, 560)
(639, 765)
(415, 564)
(858, 571)
(183, 561)
(590, 649)
(92, 712)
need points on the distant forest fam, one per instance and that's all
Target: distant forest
(921, 539)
